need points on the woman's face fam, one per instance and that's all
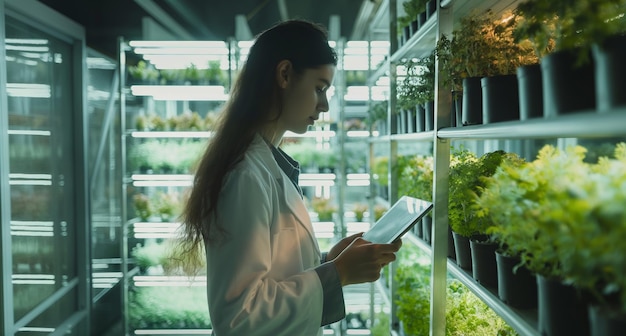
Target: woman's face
(305, 97)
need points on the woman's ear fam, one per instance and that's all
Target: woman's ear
(283, 73)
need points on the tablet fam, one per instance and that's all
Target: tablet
(399, 219)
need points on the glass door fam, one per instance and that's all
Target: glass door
(47, 241)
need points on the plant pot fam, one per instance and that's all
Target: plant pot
(472, 101)
(406, 33)
(500, 98)
(453, 114)
(484, 269)
(462, 251)
(427, 229)
(414, 26)
(530, 91)
(431, 8)
(567, 87)
(429, 115)
(457, 103)
(421, 19)
(451, 249)
(560, 310)
(606, 322)
(401, 124)
(410, 120)
(420, 118)
(610, 73)
(516, 287)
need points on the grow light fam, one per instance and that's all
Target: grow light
(181, 92)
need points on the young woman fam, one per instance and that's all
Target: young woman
(265, 273)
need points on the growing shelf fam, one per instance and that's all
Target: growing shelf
(421, 136)
(588, 124)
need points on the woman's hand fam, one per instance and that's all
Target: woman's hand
(362, 261)
(340, 246)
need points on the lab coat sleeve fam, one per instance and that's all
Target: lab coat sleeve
(334, 304)
(244, 298)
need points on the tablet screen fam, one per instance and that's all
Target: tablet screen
(397, 220)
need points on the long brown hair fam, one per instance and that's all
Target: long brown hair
(305, 45)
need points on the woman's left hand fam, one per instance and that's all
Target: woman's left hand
(341, 245)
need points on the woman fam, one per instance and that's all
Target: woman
(265, 273)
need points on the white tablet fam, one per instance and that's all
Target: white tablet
(399, 219)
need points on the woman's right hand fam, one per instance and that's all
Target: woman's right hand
(362, 261)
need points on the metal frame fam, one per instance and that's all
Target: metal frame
(6, 256)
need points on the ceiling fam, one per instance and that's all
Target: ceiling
(107, 20)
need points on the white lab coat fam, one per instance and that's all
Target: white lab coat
(260, 279)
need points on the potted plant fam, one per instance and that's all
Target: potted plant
(483, 46)
(143, 72)
(408, 23)
(504, 202)
(379, 211)
(214, 73)
(407, 93)
(466, 181)
(142, 206)
(416, 180)
(324, 208)
(377, 117)
(167, 205)
(359, 211)
(591, 238)
(148, 257)
(172, 76)
(544, 189)
(567, 73)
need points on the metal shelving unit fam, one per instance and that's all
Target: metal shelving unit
(585, 124)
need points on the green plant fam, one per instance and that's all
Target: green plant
(377, 112)
(193, 74)
(379, 211)
(326, 158)
(557, 25)
(418, 86)
(324, 208)
(142, 206)
(465, 184)
(148, 255)
(416, 179)
(380, 324)
(168, 307)
(355, 77)
(465, 313)
(214, 73)
(380, 169)
(483, 45)
(144, 71)
(411, 9)
(359, 211)
(171, 76)
(503, 200)
(593, 228)
(167, 205)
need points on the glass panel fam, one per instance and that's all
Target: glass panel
(39, 84)
(105, 173)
